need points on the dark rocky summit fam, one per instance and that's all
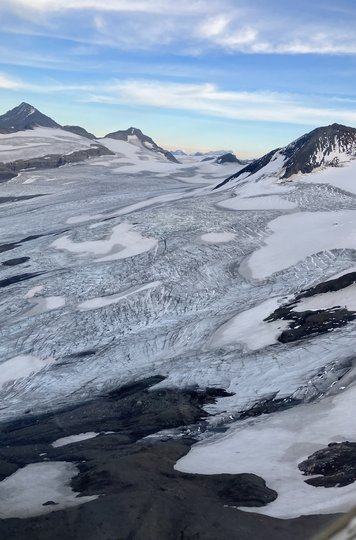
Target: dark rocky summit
(336, 464)
(147, 142)
(228, 158)
(24, 116)
(79, 131)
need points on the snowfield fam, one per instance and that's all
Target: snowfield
(40, 142)
(24, 493)
(129, 267)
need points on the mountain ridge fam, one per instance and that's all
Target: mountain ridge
(326, 146)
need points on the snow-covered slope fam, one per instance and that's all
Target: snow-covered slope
(38, 142)
(136, 137)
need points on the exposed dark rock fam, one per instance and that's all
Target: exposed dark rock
(307, 323)
(56, 160)
(15, 262)
(19, 198)
(336, 464)
(79, 131)
(228, 158)
(329, 286)
(5, 173)
(268, 406)
(16, 279)
(147, 142)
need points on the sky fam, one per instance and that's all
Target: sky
(241, 75)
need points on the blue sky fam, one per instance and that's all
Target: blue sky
(245, 75)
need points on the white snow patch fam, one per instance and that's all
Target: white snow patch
(297, 236)
(35, 290)
(21, 366)
(218, 238)
(273, 445)
(123, 243)
(44, 304)
(74, 438)
(249, 328)
(343, 177)
(103, 301)
(39, 142)
(23, 494)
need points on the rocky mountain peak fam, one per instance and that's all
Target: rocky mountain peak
(24, 116)
(324, 146)
(146, 142)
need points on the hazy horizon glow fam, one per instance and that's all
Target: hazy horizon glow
(196, 75)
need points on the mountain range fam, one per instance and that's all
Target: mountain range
(25, 121)
(328, 146)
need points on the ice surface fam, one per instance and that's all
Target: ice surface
(23, 494)
(272, 202)
(218, 237)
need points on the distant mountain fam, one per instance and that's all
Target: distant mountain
(179, 153)
(212, 153)
(328, 146)
(79, 131)
(23, 117)
(135, 135)
(228, 158)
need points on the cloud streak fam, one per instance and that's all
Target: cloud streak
(196, 25)
(202, 99)
(208, 99)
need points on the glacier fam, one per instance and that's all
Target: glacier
(148, 267)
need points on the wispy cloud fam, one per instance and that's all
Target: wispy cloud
(7, 83)
(249, 27)
(130, 6)
(208, 99)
